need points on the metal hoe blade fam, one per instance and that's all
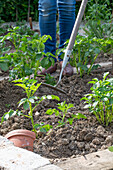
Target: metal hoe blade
(54, 88)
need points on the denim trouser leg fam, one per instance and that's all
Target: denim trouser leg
(66, 10)
(47, 21)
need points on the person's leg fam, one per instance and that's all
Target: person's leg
(66, 10)
(47, 23)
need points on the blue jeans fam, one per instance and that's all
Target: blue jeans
(47, 21)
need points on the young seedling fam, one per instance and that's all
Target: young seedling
(61, 114)
(100, 101)
(30, 103)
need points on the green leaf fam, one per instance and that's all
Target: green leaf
(61, 123)
(22, 101)
(46, 128)
(111, 101)
(31, 100)
(96, 66)
(96, 79)
(26, 105)
(50, 111)
(87, 106)
(70, 105)
(91, 82)
(4, 66)
(7, 115)
(38, 125)
(111, 148)
(57, 113)
(18, 80)
(43, 130)
(79, 116)
(45, 63)
(105, 75)
(95, 104)
(54, 97)
(10, 113)
(21, 85)
(104, 99)
(70, 120)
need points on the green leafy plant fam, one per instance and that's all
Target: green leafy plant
(106, 45)
(50, 79)
(28, 57)
(102, 31)
(13, 36)
(99, 29)
(99, 10)
(30, 103)
(61, 114)
(85, 51)
(100, 101)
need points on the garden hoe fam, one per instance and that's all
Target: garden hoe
(72, 37)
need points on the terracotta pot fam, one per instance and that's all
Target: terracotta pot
(22, 138)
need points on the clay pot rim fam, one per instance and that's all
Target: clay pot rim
(23, 132)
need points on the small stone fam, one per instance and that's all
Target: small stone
(92, 145)
(72, 145)
(96, 141)
(88, 137)
(15, 126)
(73, 156)
(84, 131)
(72, 138)
(63, 141)
(68, 136)
(100, 130)
(82, 134)
(92, 150)
(80, 137)
(87, 146)
(59, 131)
(109, 139)
(64, 135)
(104, 147)
(80, 145)
(37, 113)
(16, 119)
(4, 131)
(5, 124)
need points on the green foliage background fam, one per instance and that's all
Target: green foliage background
(9, 8)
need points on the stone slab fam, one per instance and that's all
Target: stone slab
(2, 78)
(14, 158)
(101, 160)
(50, 167)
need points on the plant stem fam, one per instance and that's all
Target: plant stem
(75, 62)
(31, 117)
(79, 61)
(63, 117)
(89, 70)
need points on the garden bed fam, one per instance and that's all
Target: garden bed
(83, 137)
